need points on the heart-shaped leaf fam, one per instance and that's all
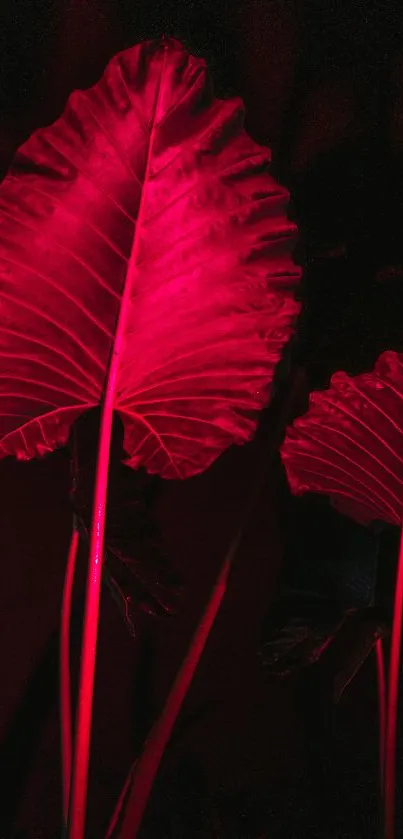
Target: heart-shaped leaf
(148, 197)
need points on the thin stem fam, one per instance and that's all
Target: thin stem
(381, 681)
(64, 656)
(119, 806)
(155, 746)
(79, 781)
(391, 720)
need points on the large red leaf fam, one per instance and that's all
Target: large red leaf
(147, 189)
(349, 445)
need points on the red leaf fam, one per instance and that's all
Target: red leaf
(147, 189)
(350, 443)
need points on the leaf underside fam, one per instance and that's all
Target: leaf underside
(349, 444)
(146, 190)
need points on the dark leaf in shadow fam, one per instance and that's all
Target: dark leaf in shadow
(137, 569)
(328, 608)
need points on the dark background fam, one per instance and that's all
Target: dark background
(322, 83)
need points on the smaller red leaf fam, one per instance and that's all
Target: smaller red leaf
(349, 444)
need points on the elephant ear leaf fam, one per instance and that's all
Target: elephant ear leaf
(148, 197)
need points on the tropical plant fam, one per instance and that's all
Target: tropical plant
(146, 269)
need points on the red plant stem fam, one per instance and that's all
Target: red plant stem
(120, 804)
(381, 680)
(79, 782)
(65, 689)
(149, 761)
(391, 719)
